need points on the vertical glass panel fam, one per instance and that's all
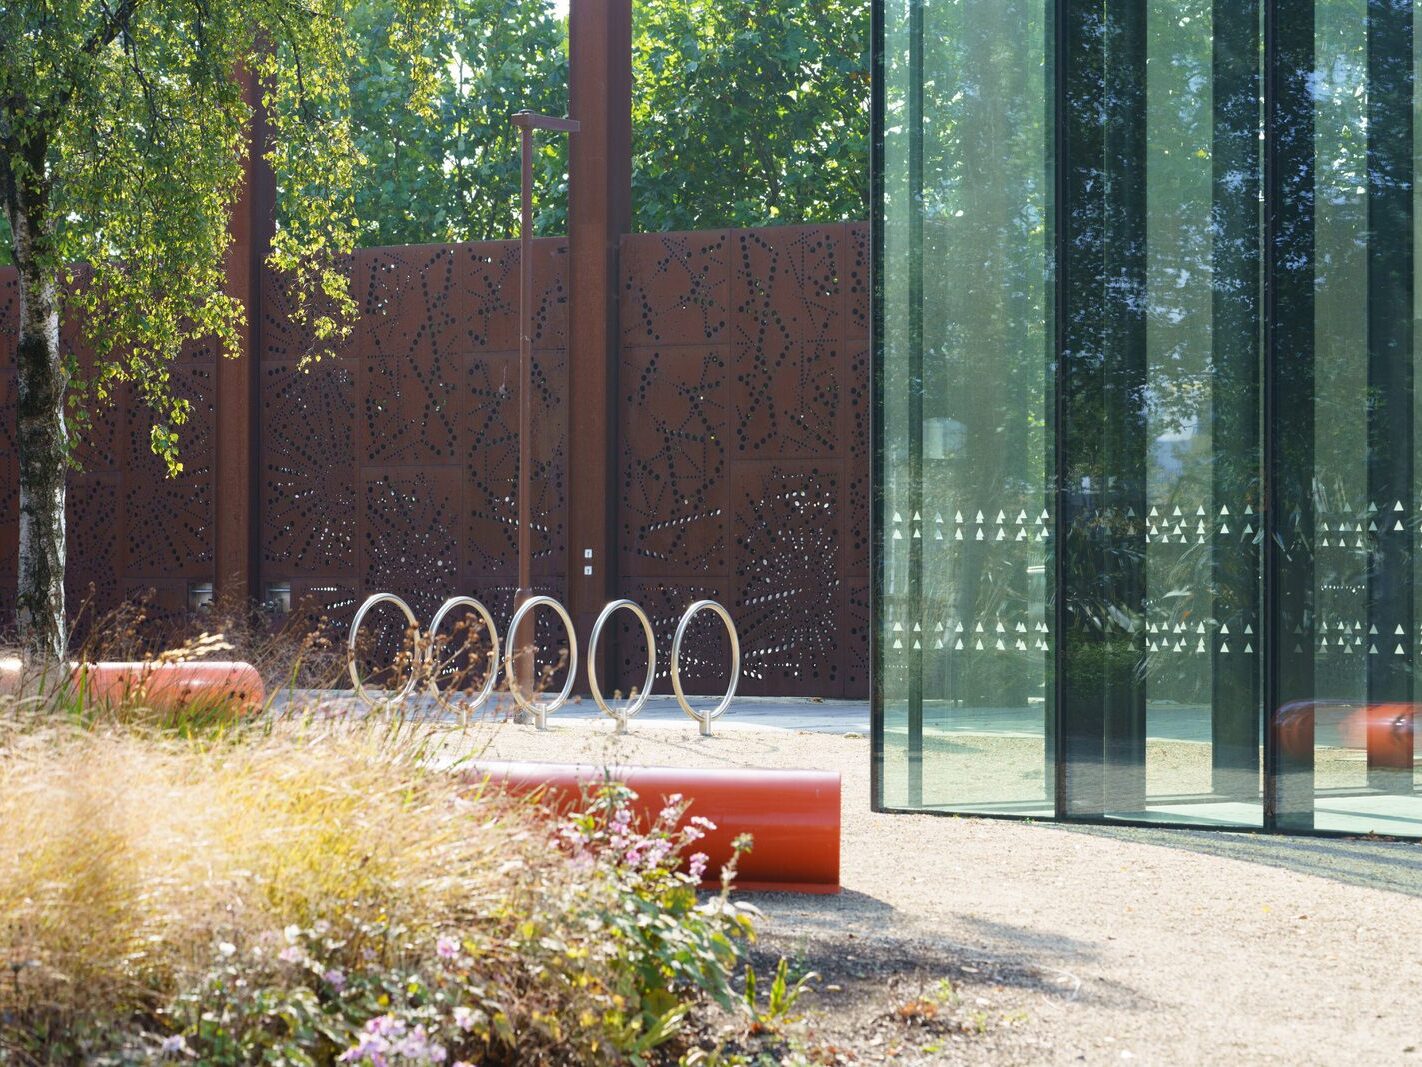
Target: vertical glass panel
(1161, 708)
(1203, 741)
(964, 629)
(1347, 747)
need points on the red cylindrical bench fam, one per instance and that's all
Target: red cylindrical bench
(171, 686)
(792, 816)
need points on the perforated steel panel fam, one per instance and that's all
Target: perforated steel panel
(392, 464)
(132, 530)
(744, 439)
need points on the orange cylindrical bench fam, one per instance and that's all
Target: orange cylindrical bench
(171, 686)
(792, 816)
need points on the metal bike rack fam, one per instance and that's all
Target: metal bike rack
(622, 715)
(541, 709)
(485, 691)
(423, 661)
(361, 612)
(705, 717)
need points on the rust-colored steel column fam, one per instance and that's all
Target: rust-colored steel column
(599, 213)
(236, 380)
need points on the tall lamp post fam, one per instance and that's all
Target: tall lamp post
(527, 122)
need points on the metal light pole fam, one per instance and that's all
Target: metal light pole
(527, 122)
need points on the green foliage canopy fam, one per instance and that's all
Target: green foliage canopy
(452, 172)
(744, 114)
(122, 134)
(747, 113)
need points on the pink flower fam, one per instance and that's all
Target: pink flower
(371, 1047)
(292, 954)
(335, 979)
(672, 811)
(447, 948)
(703, 822)
(413, 1045)
(385, 1026)
(696, 866)
(464, 1018)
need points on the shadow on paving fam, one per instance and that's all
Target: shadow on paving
(1392, 865)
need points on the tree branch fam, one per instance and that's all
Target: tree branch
(113, 23)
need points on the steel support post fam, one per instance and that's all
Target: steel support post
(599, 213)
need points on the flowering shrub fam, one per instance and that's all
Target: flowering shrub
(303, 902)
(608, 969)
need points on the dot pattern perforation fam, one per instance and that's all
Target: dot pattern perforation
(394, 467)
(392, 463)
(744, 452)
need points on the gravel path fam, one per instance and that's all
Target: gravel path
(1068, 945)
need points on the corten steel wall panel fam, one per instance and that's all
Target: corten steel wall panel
(307, 469)
(392, 462)
(676, 288)
(168, 522)
(393, 466)
(132, 530)
(675, 488)
(490, 454)
(411, 532)
(788, 589)
(744, 461)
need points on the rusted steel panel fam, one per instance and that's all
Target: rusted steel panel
(745, 449)
(742, 422)
(393, 466)
(676, 288)
(674, 490)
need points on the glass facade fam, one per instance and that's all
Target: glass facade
(1146, 498)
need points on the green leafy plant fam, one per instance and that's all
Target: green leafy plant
(780, 998)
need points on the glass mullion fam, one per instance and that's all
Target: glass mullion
(1102, 711)
(1289, 411)
(1236, 321)
(1390, 436)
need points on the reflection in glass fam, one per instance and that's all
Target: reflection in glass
(1146, 359)
(966, 537)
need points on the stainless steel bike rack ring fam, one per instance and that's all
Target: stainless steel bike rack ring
(705, 717)
(622, 715)
(487, 689)
(415, 665)
(541, 709)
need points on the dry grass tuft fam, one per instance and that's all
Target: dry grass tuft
(128, 857)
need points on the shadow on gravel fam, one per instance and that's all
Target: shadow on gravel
(918, 963)
(1392, 865)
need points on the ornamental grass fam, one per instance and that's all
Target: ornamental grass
(312, 892)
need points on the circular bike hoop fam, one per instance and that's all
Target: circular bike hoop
(622, 715)
(541, 709)
(487, 689)
(361, 612)
(705, 717)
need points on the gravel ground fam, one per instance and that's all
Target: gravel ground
(1063, 945)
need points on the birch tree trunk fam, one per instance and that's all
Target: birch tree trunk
(43, 436)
